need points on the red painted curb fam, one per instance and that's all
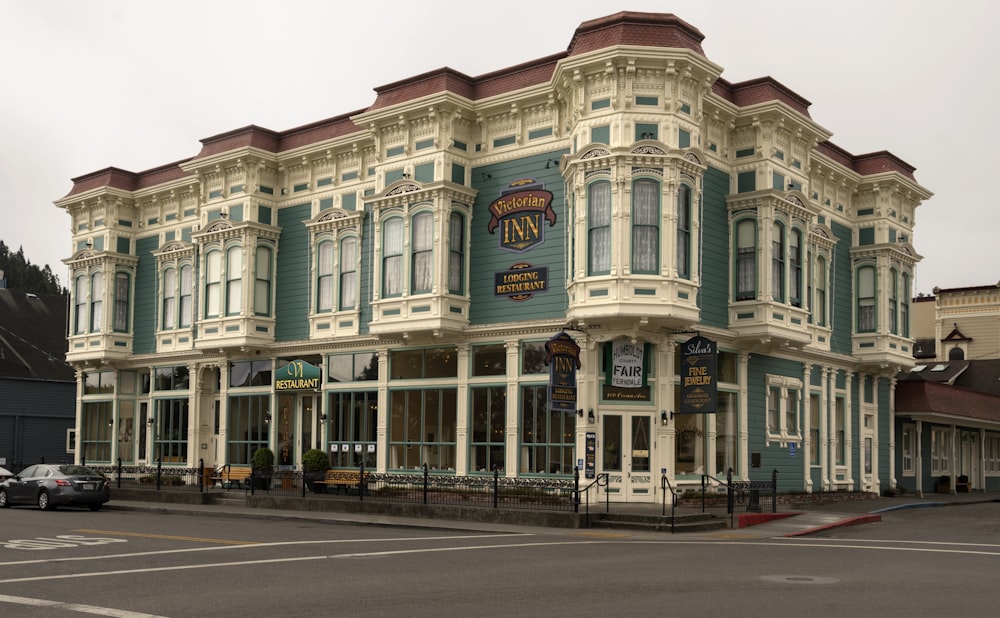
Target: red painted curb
(752, 519)
(850, 521)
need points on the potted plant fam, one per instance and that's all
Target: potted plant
(262, 462)
(315, 463)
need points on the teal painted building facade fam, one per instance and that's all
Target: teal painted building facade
(422, 251)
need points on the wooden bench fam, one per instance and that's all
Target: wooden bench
(229, 476)
(341, 481)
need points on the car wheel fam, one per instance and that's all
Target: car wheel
(3, 499)
(43, 501)
(94, 507)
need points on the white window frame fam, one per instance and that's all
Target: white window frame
(785, 389)
(941, 447)
(908, 450)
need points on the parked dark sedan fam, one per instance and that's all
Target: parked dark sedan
(52, 485)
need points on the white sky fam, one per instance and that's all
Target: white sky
(90, 84)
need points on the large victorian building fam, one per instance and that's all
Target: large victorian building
(382, 284)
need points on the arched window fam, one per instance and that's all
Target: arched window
(795, 268)
(422, 250)
(348, 273)
(96, 305)
(168, 317)
(324, 277)
(262, 282)
(746, 259)
(392, 257)
(456, 254)
(646, 226)
(213, 284)
(956, 354)
(778, 262)
(186, 295)
(684, 232)
(80, 308)
(599, 228)
(866, 299)
(234, 280)
(819, 310)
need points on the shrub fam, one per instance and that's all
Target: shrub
(263, 459)
(315, 460)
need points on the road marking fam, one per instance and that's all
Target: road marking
(604, 535)
(945, 543)
(168, 537)
(75, 607)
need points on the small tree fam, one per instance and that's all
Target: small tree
(315, 460)
(263, 459)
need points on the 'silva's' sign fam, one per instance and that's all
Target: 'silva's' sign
(699, 376)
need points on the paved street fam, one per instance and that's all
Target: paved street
(917, 561)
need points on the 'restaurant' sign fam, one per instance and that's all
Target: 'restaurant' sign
(699, 376)
(298, 375)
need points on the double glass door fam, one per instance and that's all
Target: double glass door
(626, 447)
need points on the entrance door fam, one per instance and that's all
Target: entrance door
(627, 456)
(298, 418)
(969, 461)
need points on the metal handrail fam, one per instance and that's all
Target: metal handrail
(601, 480)
(674, 494)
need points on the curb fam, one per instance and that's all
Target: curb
(850, 521)
(752, 519)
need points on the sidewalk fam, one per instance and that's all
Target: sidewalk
(789, 521)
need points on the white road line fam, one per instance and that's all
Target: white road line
(945, 543)
(75, 607)
(257, 546)
(188, 567)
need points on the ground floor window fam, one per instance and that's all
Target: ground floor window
(909, 431)
(422, 429)
(171, 430)
(992, 454)
(488, 425)
(940, 450)
(246, 427)
(707, 443)
(96, 426)
(353, 425)
(725, 435)
(547, 437)
(815, 430)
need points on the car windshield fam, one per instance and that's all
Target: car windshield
(77, 471)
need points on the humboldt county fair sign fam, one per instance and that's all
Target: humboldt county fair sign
(699, 376)
(298, 375)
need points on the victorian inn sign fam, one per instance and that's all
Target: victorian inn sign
(608, 255)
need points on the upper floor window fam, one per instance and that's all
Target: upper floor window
(904, 308)
(80, 301)
(213, 284)
(262, 282)
(234, 280)
(746, 259)
(599, 228)
(422, 252)
(778, 262)
(324, 276)
(684, 232)
(177, 297)
(645, 226)
(456, 254)
(123, 290)
(392, 257)
(348, 273)
(168, 315)
(96, 304)
(866, 299)
(893, 301)
(819, 275)
(795, 268)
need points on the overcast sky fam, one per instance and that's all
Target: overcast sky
(89, 84)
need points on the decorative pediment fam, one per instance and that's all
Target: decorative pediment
(956, 335)
(335, 219)
(593, 153)
(647, 149)
(407, 187)
(218, 226)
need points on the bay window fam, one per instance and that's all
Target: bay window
(262, 282)
(392, 257)
(599, 228)
(348, 273)
(746, 259)
(866, 299)
(96, 304)
(422, 253)
(645, 226)
(778, 262)
(684, 232)
(456, 254)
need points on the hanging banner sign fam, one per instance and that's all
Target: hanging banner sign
(298, 375)
(699, 376)
(626, 364)
(562, 355)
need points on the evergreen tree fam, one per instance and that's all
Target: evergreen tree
(20, 274)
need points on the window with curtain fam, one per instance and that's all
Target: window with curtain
(213, 284)
(422, 250)
(893, 300)
(392, 257)
(234, 280)
(746, 259)
(186, 295)
(348, 273)
(815, 428)
(684, 232)
(599, 228)
(96, 304)
(645, 226)
(456, 254)
(840, 439)
(262, 282)
(778, 262)
(773, 410)
(795, 268)
(904, 308)
(819, 311)
(168, 318)
(122, 289)
(866, 299)
(324, 277)
(80, 305)
(792, 412)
